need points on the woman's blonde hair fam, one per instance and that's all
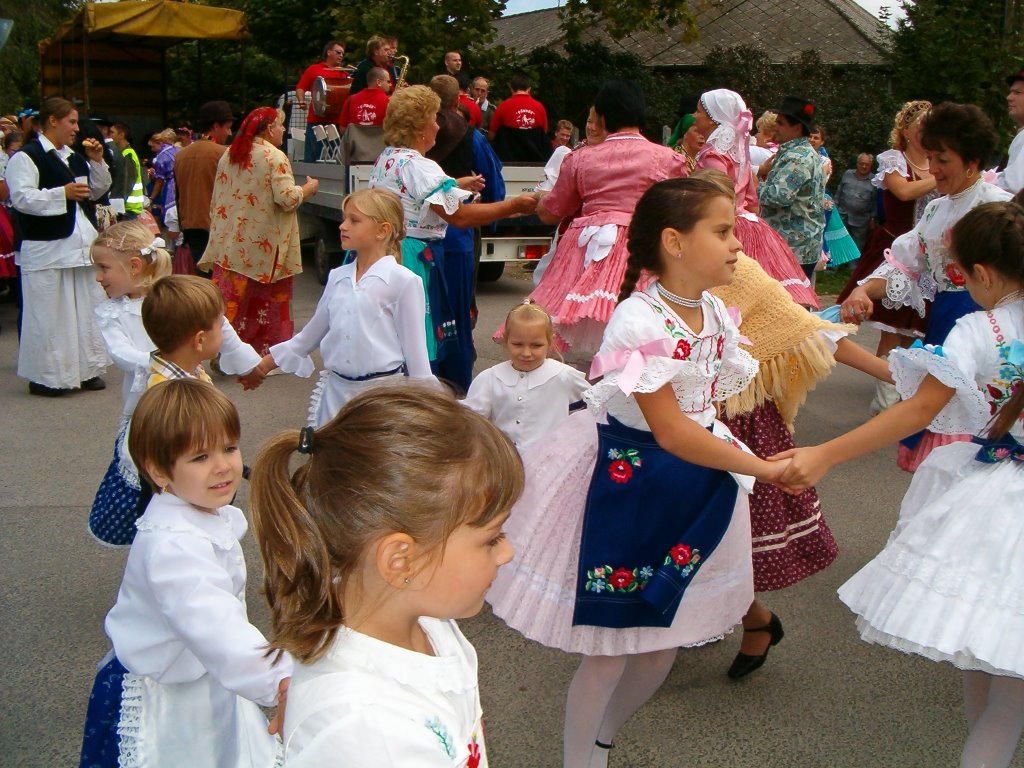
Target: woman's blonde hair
(910, 113)
(530, 311)
(166, 136)
(396, 459)
(177, 417)
(129, 239)
(409, 113)
(384, 207)
(766, 122)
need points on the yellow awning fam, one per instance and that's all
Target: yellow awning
(157, 22)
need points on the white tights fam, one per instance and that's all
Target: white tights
(605, 692)
(994, 706)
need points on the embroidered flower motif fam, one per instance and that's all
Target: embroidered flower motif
(622, 578)
(474, 754)
(605, 578)
(683, 558)
(620, 471)
(720, 347)
(623, 463)
(682, 350)
(435, 726)
(681, 554)
(955, 276)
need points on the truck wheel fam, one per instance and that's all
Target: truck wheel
(324, 259)
(490, 271)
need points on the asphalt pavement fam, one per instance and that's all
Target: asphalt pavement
(824, 698)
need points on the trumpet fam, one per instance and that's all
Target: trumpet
(401, 83)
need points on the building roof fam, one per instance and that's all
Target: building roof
(841, 31)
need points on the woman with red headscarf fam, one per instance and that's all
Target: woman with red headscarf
(254, 231)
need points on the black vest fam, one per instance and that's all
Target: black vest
(52, 173)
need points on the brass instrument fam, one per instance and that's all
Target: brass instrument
(401, 83)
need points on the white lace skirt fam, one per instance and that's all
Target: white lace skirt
(949, 584)
(535, 593)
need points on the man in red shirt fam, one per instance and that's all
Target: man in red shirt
(369, 105)
(334, 53)
(476, 117)
(520, 110)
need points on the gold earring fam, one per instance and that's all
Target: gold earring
(408, 580)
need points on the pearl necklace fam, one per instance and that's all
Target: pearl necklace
(1010, 298)
(682, 302)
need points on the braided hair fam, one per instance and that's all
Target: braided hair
(671, 204)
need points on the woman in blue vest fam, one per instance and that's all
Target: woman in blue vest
(52, 190)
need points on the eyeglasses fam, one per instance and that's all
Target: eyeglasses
(339, 51)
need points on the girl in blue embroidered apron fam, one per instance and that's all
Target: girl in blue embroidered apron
(948, 584)
(633, 535)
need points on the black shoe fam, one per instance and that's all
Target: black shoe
(744, 663)
(44, 391)
(95, 384)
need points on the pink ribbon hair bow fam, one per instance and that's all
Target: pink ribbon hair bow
(631, 361)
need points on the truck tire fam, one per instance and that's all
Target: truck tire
(490, 271)
(324, 258)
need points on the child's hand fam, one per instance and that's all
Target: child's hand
(805, 468)
(277, 723)
(252, 379)
(773, 470)
(525, 204)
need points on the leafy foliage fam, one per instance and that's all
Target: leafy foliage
(620, 18)
(19, 58)
(958, 50)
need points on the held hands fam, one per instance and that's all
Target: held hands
(804, 467)
(276, 725)
(524, 205)
(255, 377)
(858, 306)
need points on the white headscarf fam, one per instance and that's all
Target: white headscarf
(734, 121)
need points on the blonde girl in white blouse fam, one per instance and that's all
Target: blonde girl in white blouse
(530, 393)
(390, 531)
(368, 324)
(188, 673)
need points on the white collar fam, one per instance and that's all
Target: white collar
(383, 269)
(509, 376)
(167, 512)
(48, 145)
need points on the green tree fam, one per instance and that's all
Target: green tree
(958, 50)
(19, 58)
(620, 18)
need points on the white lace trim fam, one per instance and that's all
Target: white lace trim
(890, 161)
(314, 399)
(580, 298)
(125, 466)
(901, 291)
(226, 542)
(107, 312)
(129, 726)
(966, 413)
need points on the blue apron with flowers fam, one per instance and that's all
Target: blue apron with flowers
(651, 521)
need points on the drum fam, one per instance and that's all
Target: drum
(329, 94)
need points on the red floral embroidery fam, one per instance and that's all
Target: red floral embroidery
(681, 554)
(620, 471)
(682, 350)
(956, 277)
(621, 578)
(474, 755)
(720, 348)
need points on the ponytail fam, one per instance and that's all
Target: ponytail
(1007, 415)
(631, 277)
(299, 578)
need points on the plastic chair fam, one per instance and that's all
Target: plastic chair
(325, 148)
(334, 143)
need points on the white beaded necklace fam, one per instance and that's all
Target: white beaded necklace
(1010, 298)
(682, 302)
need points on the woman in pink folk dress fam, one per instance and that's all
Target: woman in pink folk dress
(604, 182)
(723, 117)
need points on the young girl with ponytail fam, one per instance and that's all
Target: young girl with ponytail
(948, 584)
(390, 530)
(633, 531)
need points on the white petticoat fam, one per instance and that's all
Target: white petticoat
(949, 584)
(535, 593)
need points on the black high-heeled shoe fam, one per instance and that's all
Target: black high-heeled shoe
(744, 663)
